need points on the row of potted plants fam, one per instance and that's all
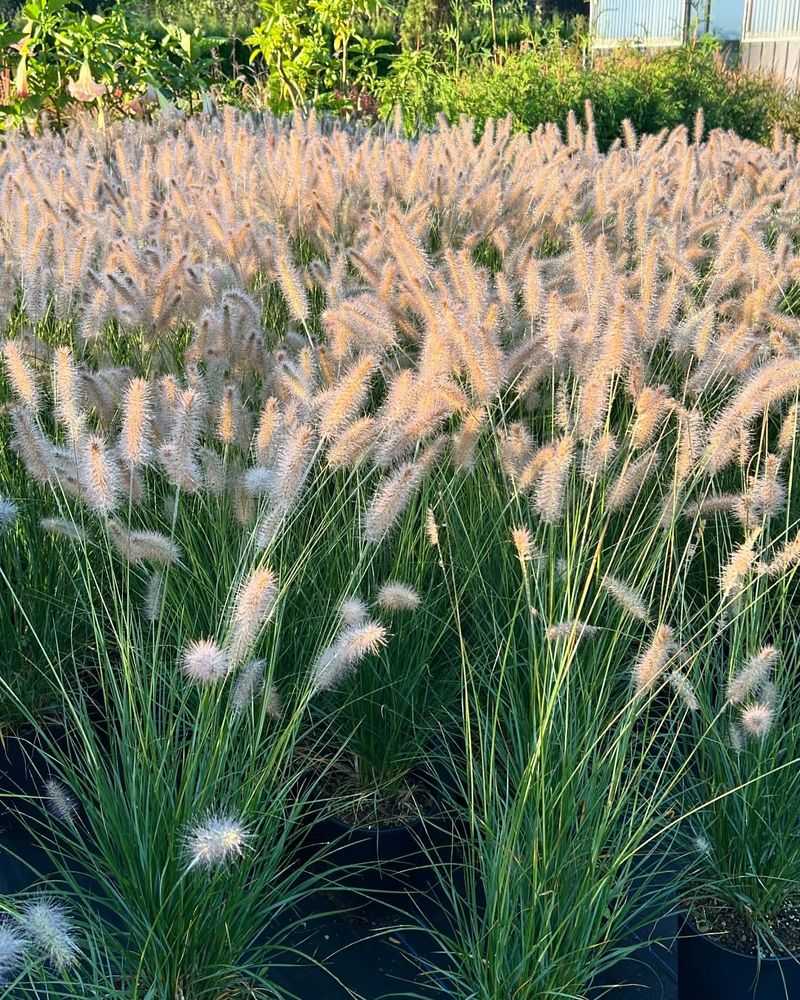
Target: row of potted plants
(540, 790)
(389, 538)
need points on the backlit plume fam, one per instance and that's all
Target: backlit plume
(216, 841)
(251, 608)
(134, 439)
(99, 476)
(753, 675)
(394, 596)
(651, 664)
(21, 375)
(757, 718)
(204, 662)
(339, 660)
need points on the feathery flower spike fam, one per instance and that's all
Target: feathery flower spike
(394, 596)
(204, 662)
(215, 841)
(50, 930)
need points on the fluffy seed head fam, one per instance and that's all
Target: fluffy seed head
(49, 927)
(736, 736)
(60, 801)
(788, 429)
(293, 464)
(739, 565)
(755, 673)
(177, 455)
(651, 663)
(788, 557)
(353, 611)
(152, 596)
(258, 481)
(353, 444)
(523, 543)
(144, 546)
(13, 948)
(34, 449)
(550, 490)
(268, 422)
(273, 701)
(21, 376)
(291, 285)
(394, 596)
(431, 528)
(626, 597)
(9, 512)
(215, 841)
(652, 405)
(684, 689)
(339, 660)
(340, 404)
(251, 609)
(630, 481)
(466, 439)
(597, 455)
(63, 528)
(702, 844)
(229, 416)
(248, 684)
(390, 501)
(67, 394)
(134, 439)
(204, 662)
(765, 496)
(757, 718)
(358, 641)
(99, 476)
(572, 627)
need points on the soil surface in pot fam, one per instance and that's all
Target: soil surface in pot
(731, 929)
(367, 808)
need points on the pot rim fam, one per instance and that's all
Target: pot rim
(376, 828)
(687, 921)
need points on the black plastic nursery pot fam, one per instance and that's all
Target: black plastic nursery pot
(380, 858)
(23, 766)
(708, 970)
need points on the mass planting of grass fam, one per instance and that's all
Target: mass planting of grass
(338, 466)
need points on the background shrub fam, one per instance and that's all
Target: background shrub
(550, 78)
(364, 58)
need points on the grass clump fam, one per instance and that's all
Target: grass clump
(372, 455)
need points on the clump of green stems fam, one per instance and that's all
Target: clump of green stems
(581, 799)
(741, 839)
(150, 755)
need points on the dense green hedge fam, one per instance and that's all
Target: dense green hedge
(653, 91)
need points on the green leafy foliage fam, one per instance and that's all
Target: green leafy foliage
(60, 58)
(314, 51)
(549, 78)
(364, 58)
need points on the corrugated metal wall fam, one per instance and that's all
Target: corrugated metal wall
(770, 29)
(771, 38)
(646, 22)
(771, 19)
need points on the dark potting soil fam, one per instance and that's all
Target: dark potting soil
(731, 929)
(357, 807)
